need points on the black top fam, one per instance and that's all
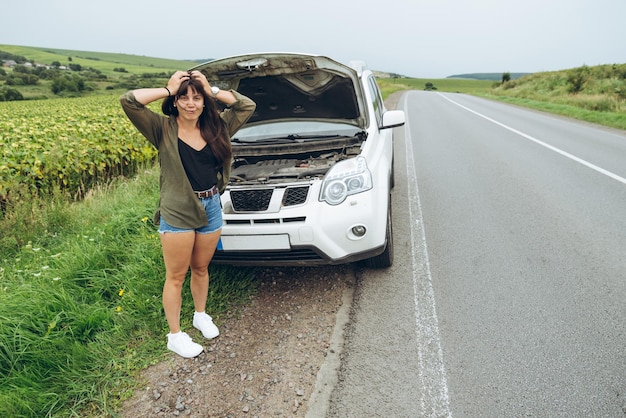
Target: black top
(200, 166)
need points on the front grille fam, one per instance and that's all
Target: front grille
(256, 200)
(295, 195)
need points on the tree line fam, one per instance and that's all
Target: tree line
(64, 80)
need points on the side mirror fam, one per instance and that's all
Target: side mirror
(393, 119)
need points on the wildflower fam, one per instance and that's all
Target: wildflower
(118, 309)
(144, 219)
(56, 279)
(121, 292)
(51, 326)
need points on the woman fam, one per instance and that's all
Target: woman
(193, 140)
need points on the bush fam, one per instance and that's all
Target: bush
(46, 73)
(71, 84)
(619, 71)
(8, 56)
(21, 76)
(8, 94)
(509, 85)
(577, 79)
(21, 69)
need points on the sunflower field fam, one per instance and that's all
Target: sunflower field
(67, 144)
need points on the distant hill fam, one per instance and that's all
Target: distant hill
(102, 61)
(30, 73)
(487, 76)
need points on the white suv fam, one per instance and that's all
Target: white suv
(313, 167)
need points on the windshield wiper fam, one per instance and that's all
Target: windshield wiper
(296, 137)
(285, 139)
(262, 141)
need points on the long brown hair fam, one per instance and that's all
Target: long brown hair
(212, 128)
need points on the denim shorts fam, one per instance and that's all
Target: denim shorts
(213, 209)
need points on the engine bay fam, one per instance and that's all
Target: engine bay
(251, 170)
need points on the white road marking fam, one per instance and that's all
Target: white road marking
(434, 400)
(543, 144)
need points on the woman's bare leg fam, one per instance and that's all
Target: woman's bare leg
(177, 254)
(203, 251)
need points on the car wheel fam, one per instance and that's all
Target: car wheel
(385, 259)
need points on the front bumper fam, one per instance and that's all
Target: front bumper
(307, 233)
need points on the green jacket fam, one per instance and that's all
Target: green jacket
(178, 205)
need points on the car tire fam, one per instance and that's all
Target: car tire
(385, 259)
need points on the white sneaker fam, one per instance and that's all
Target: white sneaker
(204, 323)
(183, 345)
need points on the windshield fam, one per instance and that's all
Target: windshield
(293, 131)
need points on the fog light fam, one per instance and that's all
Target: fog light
(359, 230)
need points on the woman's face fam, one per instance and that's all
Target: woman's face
(190, 104)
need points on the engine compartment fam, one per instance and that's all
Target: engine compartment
(288, 167)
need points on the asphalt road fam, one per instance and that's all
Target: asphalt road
(507, 297)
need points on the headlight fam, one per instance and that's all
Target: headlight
(345, 178)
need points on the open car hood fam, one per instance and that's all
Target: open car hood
(291, 87)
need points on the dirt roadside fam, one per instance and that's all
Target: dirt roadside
(266, 360)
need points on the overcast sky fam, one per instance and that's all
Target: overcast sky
(416, 38)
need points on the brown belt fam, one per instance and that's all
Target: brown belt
(207, 193)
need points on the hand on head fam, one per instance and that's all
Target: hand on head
(201, 78)
(176, 80)
(181, 76)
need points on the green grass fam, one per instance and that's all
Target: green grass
(600, 97)
(390, 85)
(592, 94)
(609, 119)
(80, 302)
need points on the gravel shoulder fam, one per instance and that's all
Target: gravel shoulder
(265, 361)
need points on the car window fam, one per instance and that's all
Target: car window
(376, 100)
(293, 129)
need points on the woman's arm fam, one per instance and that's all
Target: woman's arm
(238, 112)
(149, 95)
(226, 97)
